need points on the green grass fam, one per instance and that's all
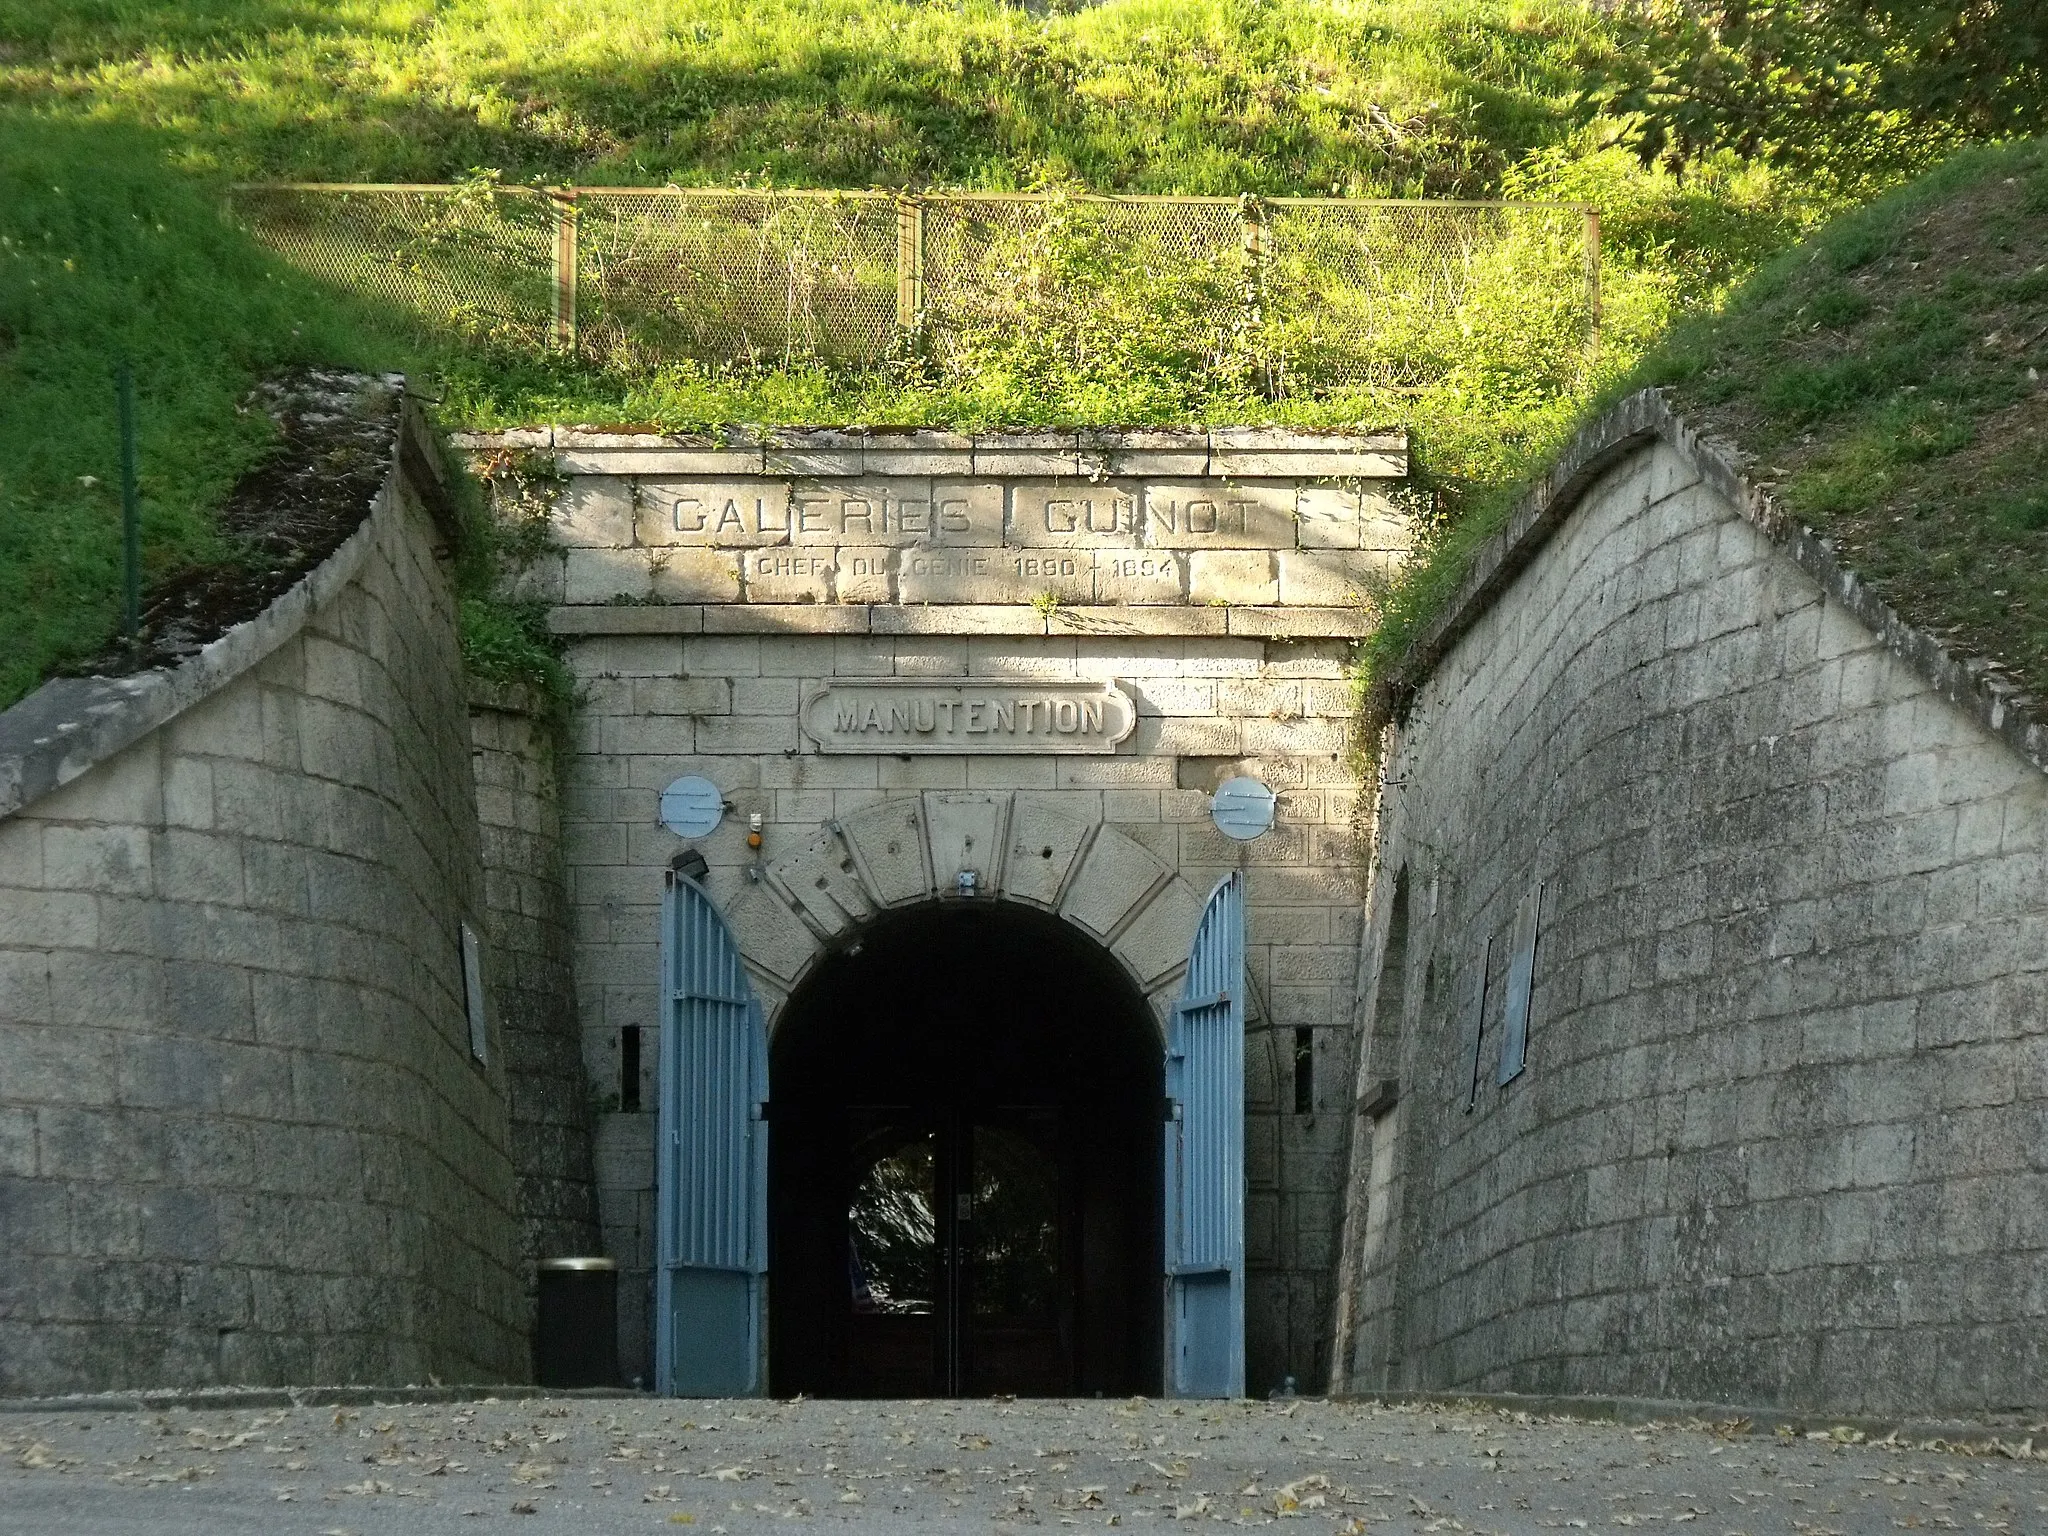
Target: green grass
(1213, 96)
(1887, 376)
(141, 110)
(103, 256)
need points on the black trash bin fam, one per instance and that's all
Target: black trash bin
(576, 1336)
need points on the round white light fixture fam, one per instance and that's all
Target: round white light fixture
(692, 807)
(1242, 809)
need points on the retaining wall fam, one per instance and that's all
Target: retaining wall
(243, 1137)
(519, 811)
(1783, 1133)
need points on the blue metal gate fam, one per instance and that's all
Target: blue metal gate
(1205, 1158)
(711, 1178)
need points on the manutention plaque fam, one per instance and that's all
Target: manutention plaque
(900, 715)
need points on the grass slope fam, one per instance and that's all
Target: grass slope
(103, 256)
(1371, 97)
(138, 110)
(1889, 376)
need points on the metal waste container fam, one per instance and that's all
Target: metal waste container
(576, 1336)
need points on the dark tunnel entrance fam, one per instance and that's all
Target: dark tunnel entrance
(964, 1175)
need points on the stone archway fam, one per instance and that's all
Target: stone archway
(922, 848)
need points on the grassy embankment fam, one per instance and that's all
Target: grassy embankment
(1889, 377)
(138, 110)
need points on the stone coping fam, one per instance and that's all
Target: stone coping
(1263, 622)
(805, 452)
(70, 724)
(1974, 684)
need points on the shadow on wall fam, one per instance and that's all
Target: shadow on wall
(255, 1110)
(1776, 1141)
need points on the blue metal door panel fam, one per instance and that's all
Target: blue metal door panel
(1205, 1158)
(711, 1172)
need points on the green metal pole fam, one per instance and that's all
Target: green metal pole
(131, 517)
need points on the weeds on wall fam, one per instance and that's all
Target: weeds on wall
(507, 503)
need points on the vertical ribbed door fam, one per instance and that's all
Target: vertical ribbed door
(711, 1177)
(1205, 1159)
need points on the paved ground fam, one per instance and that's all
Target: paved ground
(642, 1465)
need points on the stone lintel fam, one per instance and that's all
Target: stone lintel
(597, 619)
(1302, 623)
(956, 619)
(785, 619)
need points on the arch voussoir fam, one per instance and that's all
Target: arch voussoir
(888, 846)
(823, 882)
(916, 848)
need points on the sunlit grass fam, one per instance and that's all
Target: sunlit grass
(141, 110)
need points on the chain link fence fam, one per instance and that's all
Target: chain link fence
(1317, 290)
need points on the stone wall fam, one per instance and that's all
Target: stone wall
(659, 706)
(518, 802)
(242, 1134)
(1097, 521)
(1780, 1135)
(714, 590)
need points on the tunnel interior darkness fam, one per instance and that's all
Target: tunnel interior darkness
(964, 1167)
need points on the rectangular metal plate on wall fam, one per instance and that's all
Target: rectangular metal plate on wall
(473, 992)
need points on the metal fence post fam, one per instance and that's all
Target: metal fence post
(131, 515)
(1256, 235)
(563, 200)
(1257, 239)
(1592, 217)
(909, 265)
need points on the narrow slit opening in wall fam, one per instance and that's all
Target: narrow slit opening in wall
(629, 1069)
(473, 993)
(1304, 1071)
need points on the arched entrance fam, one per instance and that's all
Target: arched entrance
(970, 997)
(965, 1169)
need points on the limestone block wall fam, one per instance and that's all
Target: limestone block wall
(724, 596)
(1089, 523)
(518, 802)
(242, 1134)
(659, 704)
(1780, 1135)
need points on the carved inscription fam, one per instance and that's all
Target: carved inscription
(968, 718)
(1204, 515)
(1066, 513)
(945, 539)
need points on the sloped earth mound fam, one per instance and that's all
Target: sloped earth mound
(336, 434)
(1890, 379)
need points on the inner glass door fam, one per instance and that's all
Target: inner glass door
(957, 1280)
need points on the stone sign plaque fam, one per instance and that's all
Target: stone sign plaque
(968, 718)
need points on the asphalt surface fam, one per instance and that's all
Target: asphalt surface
(646, 1465)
